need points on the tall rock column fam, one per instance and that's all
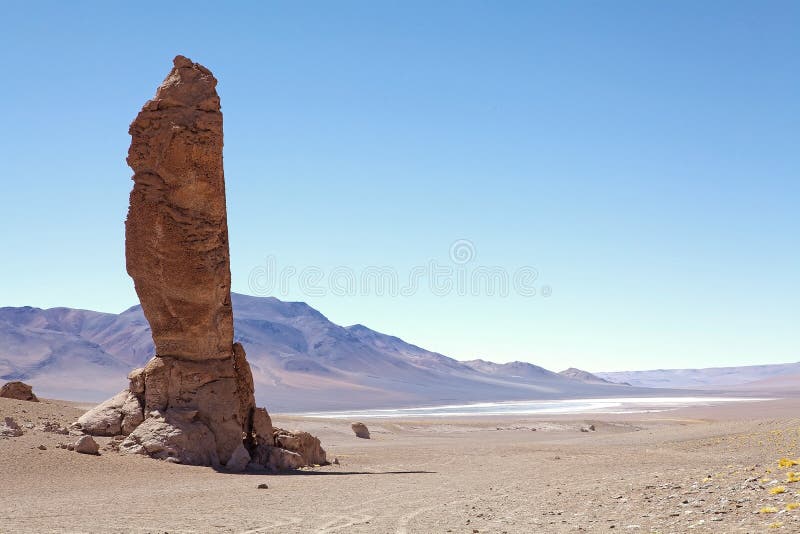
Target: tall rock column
(176, 243)
(193, 402)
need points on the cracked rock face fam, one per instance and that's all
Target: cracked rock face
(193, 402)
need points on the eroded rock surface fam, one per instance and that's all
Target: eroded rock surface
(176, 435)
(120, 414)
(19, 391)
(176, 234)
(302, 443)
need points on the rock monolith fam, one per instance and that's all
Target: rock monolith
(194, 400)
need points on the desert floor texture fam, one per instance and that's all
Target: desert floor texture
(703, 469)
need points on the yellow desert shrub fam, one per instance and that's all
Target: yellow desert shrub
(776, 524)
(786, 462)
(769, 510)
(777, 490)
(791, 476)
(792, 506)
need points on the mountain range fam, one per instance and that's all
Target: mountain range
(300, 360)
(774, 377)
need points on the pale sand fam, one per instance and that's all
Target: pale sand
(636, 473)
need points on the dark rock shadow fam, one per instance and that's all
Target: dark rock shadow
(324, 473)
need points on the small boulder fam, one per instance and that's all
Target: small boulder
(238, 460)
(120, 414)
(277, 459)
(18, 391)
(262, 486)
(360, 430)
(87, 445)
(303, 444)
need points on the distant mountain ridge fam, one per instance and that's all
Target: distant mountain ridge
(584, 376)
(768, 375)
(300, 360)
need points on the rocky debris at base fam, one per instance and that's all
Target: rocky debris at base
(239, 460)
(120, 414)
(54, 428)
(360, 430)
(87, 445)
(18, 391)
(177, 436)
(10, 428)
(182, 436)
(302, 443)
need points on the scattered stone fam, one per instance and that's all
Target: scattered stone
(262, 486)
(360, 430)
(335, 461)
(87, 445)
(54, 428)
(42, 448)
(10, 428)
(18, 391)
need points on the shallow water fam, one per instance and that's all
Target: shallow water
(565, 406)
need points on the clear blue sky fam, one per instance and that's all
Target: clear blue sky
(643, 156)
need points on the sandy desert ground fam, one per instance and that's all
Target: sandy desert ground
(701, 469)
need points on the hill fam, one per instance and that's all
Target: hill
(300, 360)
